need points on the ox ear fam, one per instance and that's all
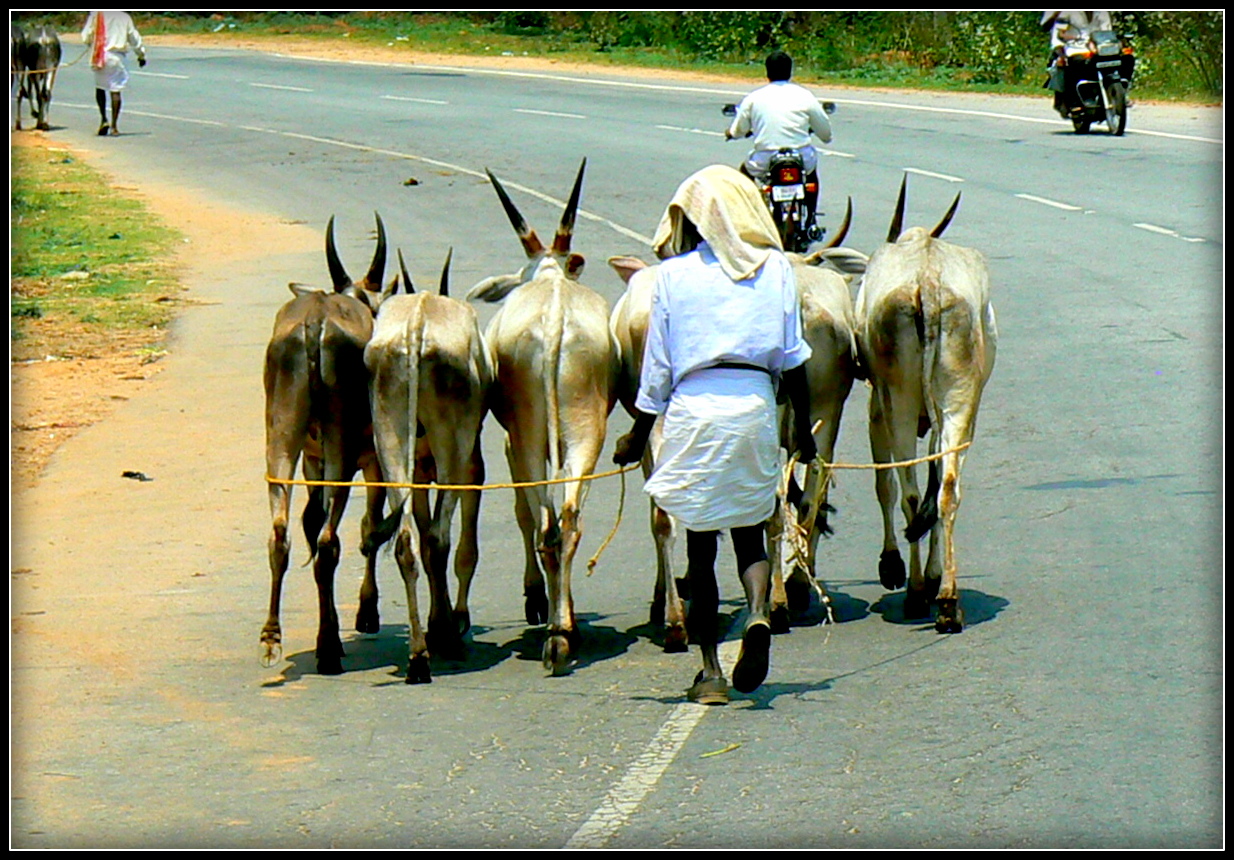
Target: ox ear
(574, 266)
(846, 260)
(625, 267)
(300, 289)
(495, 289)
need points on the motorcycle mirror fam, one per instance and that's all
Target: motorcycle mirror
(729, 110)
(829, 107)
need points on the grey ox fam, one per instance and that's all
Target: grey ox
(317, 404)
(927, 336)
(556, 384)
(430, 372)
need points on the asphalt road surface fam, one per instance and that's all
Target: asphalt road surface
(1081, 707)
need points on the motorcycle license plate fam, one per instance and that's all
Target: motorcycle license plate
(780, 193)
(1110, 64)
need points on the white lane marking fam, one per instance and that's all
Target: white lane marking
(1166, 231)
(628, 793)
(834, 153)
(691, 130)
(942, 176)
(550, 113)
(172, 118)
(162, 75)
(420, 101)
(280, 87)
(1053, 203)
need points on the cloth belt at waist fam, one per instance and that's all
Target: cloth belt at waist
(736, 365)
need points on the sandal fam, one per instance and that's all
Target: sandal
(751, 668)
(708, 691)
(103, 129)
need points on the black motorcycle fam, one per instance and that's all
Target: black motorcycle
(1096, 75)
(788, 193)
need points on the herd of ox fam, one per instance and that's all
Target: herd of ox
(396, 385)
(34, 57)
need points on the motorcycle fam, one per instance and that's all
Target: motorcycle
(787, 193)
(1097, 73)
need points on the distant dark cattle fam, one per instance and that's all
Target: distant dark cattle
(35, 59)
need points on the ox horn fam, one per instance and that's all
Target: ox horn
(942, 225)
(338, 275)
(445, 274)
(407, 285)
(897, 221)
(531, 242)
(561, 242)
(848, 220)
(377, 270)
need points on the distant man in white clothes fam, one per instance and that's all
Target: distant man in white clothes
(782, 115)
(110, 34)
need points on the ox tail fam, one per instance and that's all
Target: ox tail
(929, 329)
(556, 325)
(315, 509)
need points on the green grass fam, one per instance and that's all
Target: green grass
(88, 263)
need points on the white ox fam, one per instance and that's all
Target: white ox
(927, 337)
(556, 385)
(317, 405)
(823, 278)
(430, 371)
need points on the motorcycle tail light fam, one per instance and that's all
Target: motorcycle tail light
(811, 187)
(789, 176)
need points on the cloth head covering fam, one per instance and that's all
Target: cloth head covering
(98, 56)
(730, 215)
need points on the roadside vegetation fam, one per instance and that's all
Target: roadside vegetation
(88, 264)
(1180, 54)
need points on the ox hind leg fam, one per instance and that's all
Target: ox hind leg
(467, 556)
(406, 553)
(368, 615)
(279, 551)
(535, 599)
(959, 418)
(667, 607)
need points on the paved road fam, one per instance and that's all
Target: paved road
(1081, 707)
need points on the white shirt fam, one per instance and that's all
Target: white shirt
(1072, 25)
(119, 29)
(781, 114)
(700, 317)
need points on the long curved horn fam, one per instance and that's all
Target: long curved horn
(531, 242)
(897, 222)
(445, 274)
(848, 220)
(561, 242)
(942, 225)
(377, 269)
(407, 285)
(338, 275)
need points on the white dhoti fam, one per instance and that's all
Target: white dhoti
(719, 463)
(113, 76)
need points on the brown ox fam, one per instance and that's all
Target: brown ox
(927, 337)
(827, 324)
(35, 59)
(317, 405)
(430, 372)
(556, 385)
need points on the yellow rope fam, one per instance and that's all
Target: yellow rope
(511, 486)
(621, 504)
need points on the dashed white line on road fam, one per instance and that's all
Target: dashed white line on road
(1166, 231)
(1054, 203)
(420, 101)
(942, 176)
(705, 131)
(280, 87)
(550, 113)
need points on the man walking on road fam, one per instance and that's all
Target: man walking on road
(110, 34)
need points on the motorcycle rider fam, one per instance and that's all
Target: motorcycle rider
(780, 115)
(1068, 26)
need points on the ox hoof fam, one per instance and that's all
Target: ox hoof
(368, 620)
(780, 619)
(676, 641)
(330, 665)
(271, 652)
(418, 670)
(447, 645)
(557, 654)
(916, 605)
(797, 596)
(891, 570)
(950, 619)
(535, 606)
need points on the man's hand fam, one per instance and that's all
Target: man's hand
(807, 451)
(629, 449)
(141, 61)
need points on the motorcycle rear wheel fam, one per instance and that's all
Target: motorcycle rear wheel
(1116, 113)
